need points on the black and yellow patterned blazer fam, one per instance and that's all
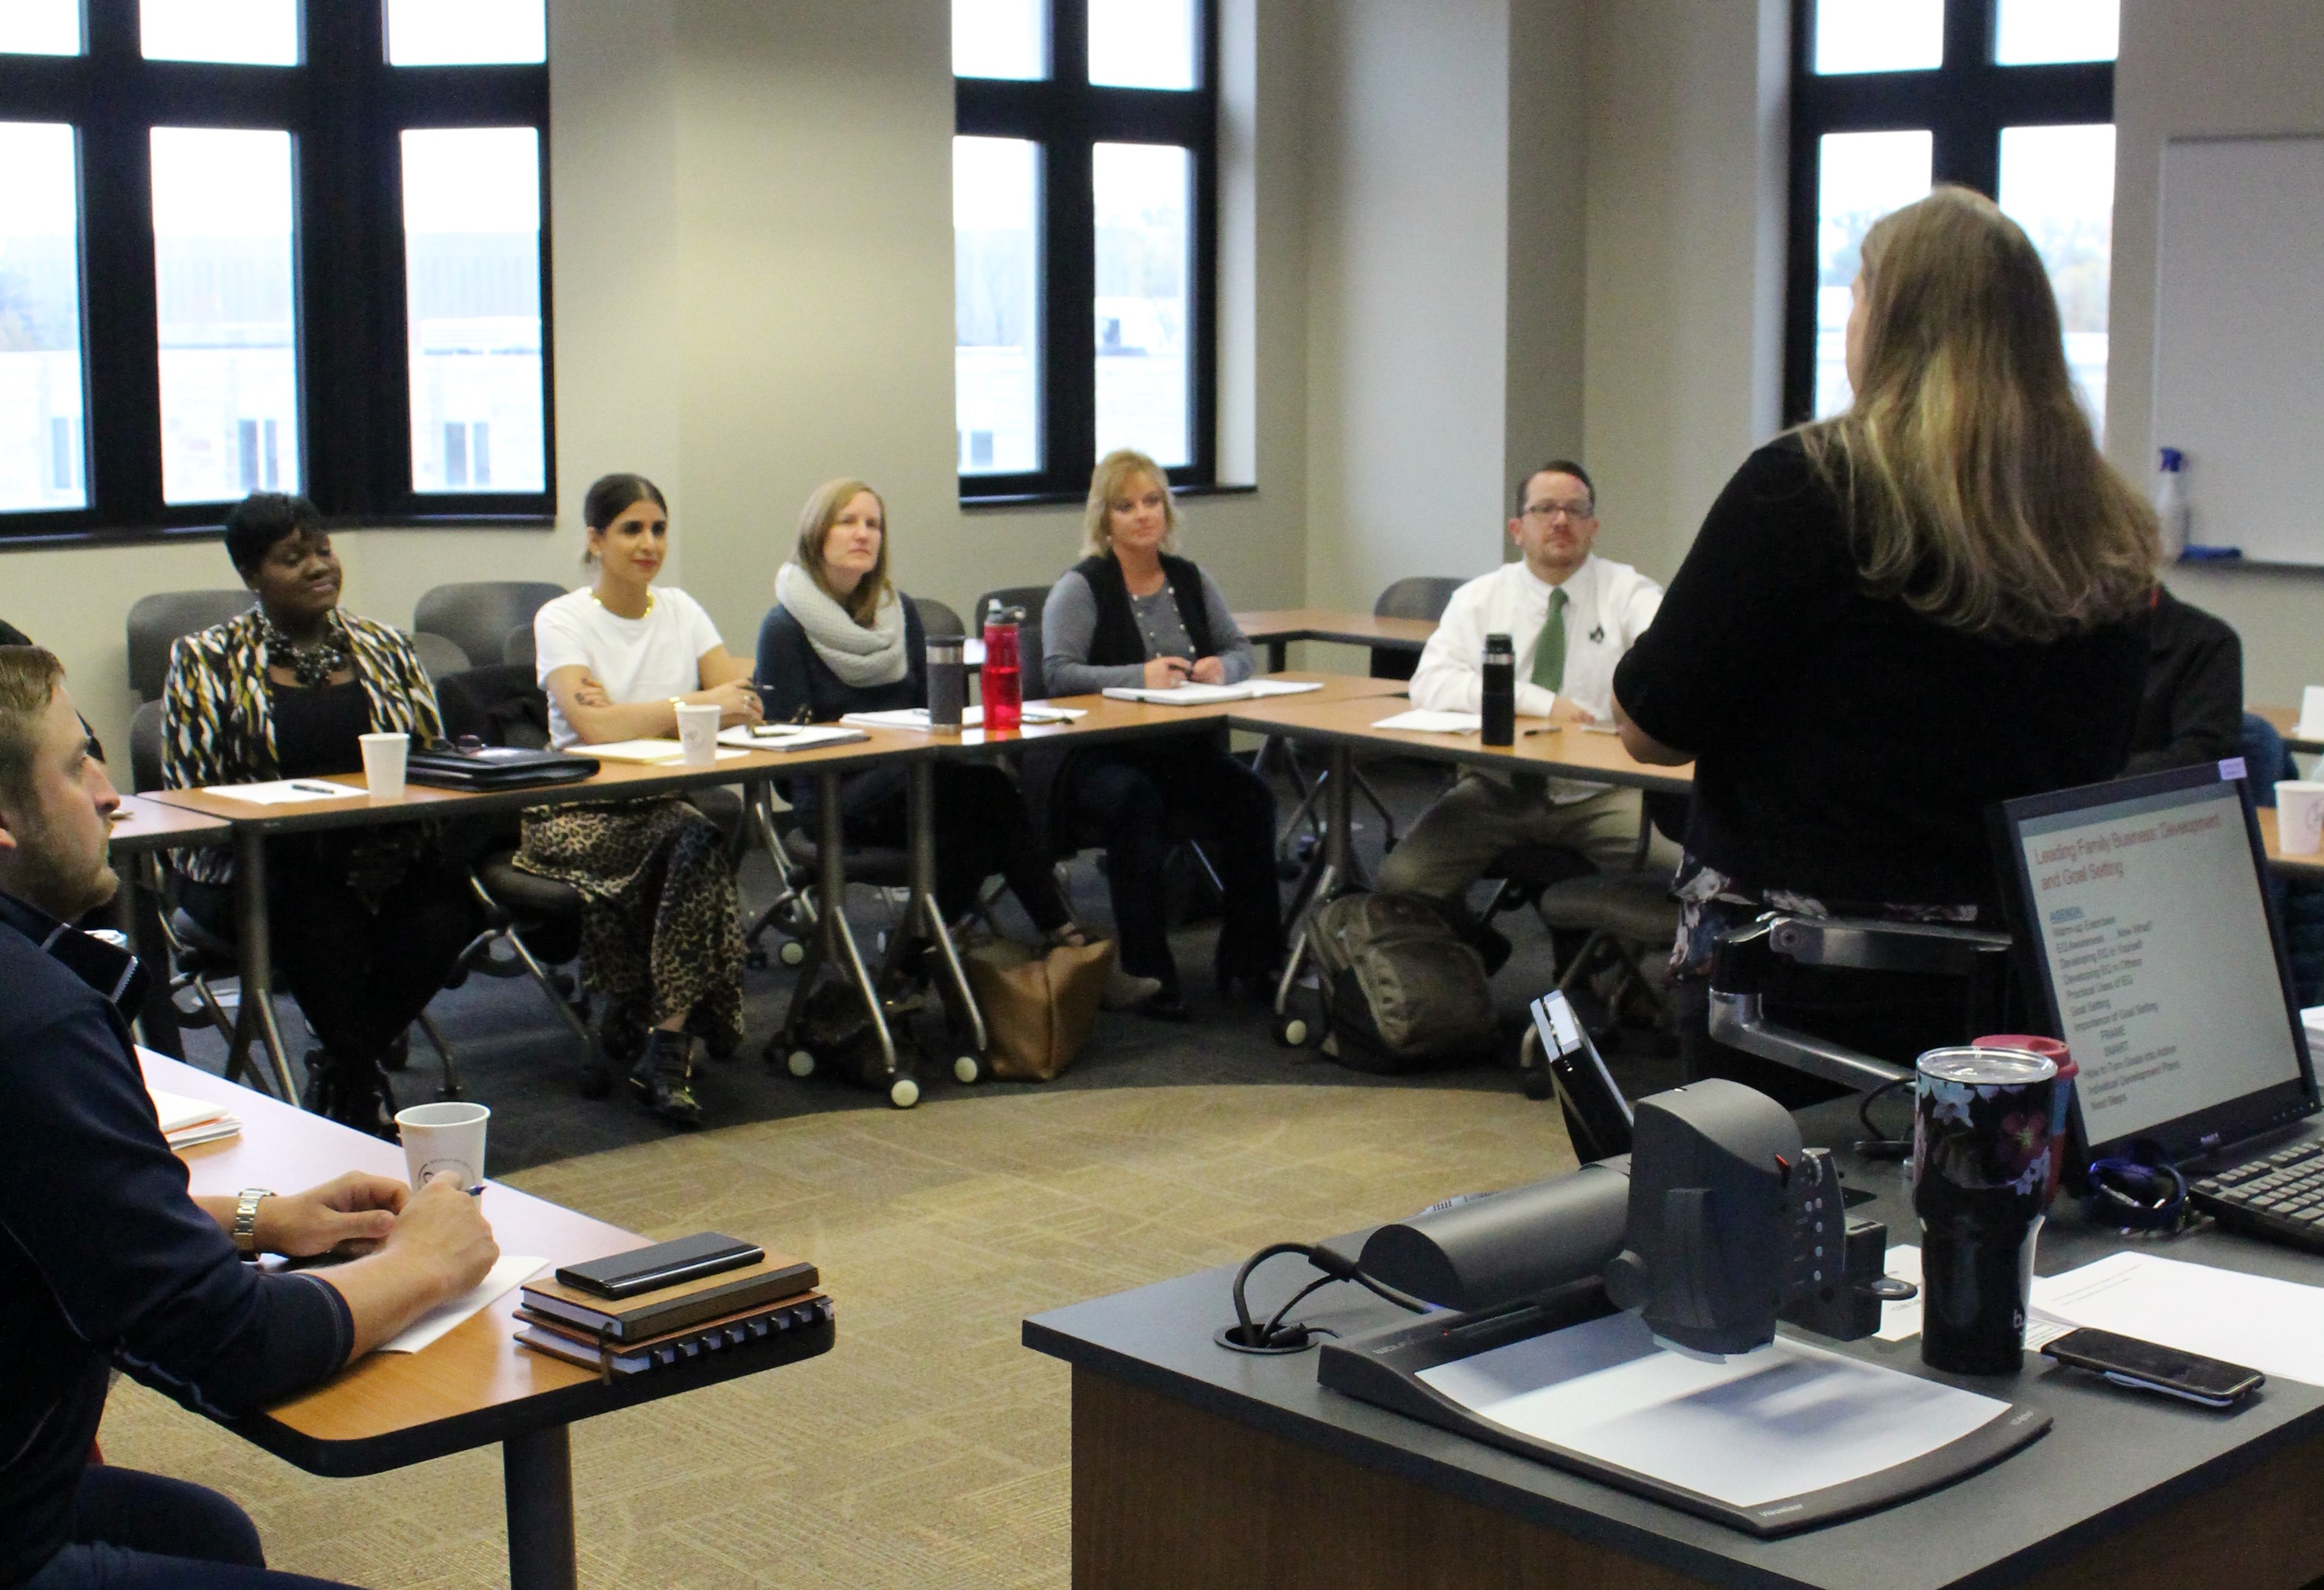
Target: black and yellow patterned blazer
(217, 709)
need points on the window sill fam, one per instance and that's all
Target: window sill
(1078, 498)
(55, 539)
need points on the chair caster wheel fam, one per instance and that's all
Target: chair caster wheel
(595, 1083)
(792, 954)
(903, 1093)
(1538, 1086)
(801, 1064)
(1291, 1032)
(967, 1069)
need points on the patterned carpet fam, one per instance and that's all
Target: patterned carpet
(928, 1449)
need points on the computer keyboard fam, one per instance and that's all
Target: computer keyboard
(2279, 1196)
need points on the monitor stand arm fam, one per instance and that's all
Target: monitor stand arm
(1742, 958)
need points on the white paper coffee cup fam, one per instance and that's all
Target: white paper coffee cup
(383, 756)
(2299, 816)
(697, 733)
(443, 1140)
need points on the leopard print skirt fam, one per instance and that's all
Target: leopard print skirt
(662, 936)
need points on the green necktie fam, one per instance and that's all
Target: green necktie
(1549, 652)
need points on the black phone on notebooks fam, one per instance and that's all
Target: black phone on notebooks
(665, 1264)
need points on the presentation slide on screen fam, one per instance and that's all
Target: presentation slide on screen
(2158, 948)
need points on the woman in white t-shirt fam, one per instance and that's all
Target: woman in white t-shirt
(662, 938)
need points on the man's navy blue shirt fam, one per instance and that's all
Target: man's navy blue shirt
(104, 1259)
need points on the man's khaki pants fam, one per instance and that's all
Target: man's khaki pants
(1456, 841)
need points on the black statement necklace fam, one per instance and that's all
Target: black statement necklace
(312, 664)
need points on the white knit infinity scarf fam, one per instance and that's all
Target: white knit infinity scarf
(860, 656)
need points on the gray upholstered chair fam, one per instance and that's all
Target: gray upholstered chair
(478, 615)
(156, 622)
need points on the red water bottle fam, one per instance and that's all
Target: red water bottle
(1004, 694)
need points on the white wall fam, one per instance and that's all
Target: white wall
(1683, 358)
(1408, 276)
(2224, 67)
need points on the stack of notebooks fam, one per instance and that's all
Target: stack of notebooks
(188, 1121)
(774, 1298)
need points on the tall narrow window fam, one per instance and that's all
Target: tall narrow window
(996, 185)
(39, 27)
(2058, 183)
(41, 396)
(2012, 98)
(246, 33)
(1084, 214)
(472, 263)
(1145, 195)
(466, 32)
(223, 243)
(1865, 175)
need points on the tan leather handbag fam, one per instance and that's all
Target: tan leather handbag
(1039, 1008)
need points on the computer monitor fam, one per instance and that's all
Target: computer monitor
(2142, 915)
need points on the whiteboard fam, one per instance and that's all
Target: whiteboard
(2239, 340)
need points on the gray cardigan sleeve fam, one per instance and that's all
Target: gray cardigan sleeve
(1235, 654)
(1068, 624)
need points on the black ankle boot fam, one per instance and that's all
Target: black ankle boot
(663, 1078)
(353, 1092)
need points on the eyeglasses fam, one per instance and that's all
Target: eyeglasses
(1576, 511)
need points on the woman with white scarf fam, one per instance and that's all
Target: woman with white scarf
(843, 639)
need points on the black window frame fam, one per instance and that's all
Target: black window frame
(1066, 114)
(346, 108)
(1964, 104)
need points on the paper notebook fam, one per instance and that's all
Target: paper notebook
(788, 736)
(1201, 695)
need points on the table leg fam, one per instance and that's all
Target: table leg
(138, 909)
(256, 1018)
(1339, 781)
(838, 942)
(924, 915)
(1277, 653)
(537, 1473)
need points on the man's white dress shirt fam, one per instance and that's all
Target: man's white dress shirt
(1609, 605)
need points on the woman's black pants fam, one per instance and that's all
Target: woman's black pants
(1137, 802)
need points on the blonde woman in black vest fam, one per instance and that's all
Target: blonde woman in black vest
(1132, 612)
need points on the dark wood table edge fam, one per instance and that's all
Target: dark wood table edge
(506, 1421)
(1630, 1538)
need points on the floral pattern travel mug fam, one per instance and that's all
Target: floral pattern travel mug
(1982, 1150)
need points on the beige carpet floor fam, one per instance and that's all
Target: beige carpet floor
(928, 1448)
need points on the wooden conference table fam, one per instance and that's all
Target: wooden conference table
(1195, 1466)
(473, 1387)
(2286, 720)
(218, 816)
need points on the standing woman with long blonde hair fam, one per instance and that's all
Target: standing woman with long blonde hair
(1892, 619)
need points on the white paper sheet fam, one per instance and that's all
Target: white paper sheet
(1754, 1428)
(1428, 723)
(1901, 1323)
(179, 1112)
(793, 738)
(643, 750)
(2275, 1326)
(2311, 713)
(289, 792)
(512, 1270)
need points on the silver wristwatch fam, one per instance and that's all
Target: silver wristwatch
(245, 1218)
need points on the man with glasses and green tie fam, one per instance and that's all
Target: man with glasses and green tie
(1569, 615)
